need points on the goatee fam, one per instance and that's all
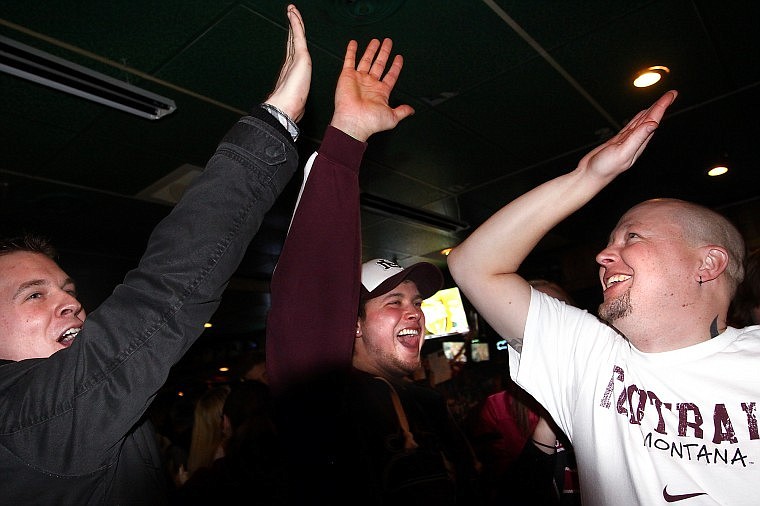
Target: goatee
(616, 308)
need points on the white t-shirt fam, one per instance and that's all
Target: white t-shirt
(647, 428)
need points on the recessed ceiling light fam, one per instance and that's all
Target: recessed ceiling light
(650, 76)
(717, 171)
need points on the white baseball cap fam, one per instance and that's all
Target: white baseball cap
(379, 276)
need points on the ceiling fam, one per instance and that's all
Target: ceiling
(507, 95)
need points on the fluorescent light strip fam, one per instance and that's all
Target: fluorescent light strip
(43, 68)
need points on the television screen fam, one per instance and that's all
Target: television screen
(445, 314)
(454, 350)
(479, 351)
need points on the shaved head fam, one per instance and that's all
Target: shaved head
(702, 226)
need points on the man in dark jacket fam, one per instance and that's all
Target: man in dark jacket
(74, 389)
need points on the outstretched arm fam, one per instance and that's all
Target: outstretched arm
(485, 265)
(309, 334)
(292, 87)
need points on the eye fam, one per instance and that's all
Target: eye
(632, 235)
(34, 295)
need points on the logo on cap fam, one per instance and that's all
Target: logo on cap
(387, 264)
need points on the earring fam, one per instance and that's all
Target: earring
(700, 280)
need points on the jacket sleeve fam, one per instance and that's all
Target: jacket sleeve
(70, 413)
(315, 285)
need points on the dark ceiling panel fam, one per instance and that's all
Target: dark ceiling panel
(568, 121)
(141, 35)
(241, 52)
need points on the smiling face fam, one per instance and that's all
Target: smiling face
(39, 312)
(391, 333)
(647, 268)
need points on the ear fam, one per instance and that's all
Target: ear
(714, 262)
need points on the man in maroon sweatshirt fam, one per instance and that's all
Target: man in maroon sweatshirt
(343, 337)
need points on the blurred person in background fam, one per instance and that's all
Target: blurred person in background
(526, 459)
(252, 461)
(252, 365)
(207, 438)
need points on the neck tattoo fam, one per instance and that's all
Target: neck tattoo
(714, 328)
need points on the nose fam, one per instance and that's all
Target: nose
(70, 305)
(607, 256)
(414, 312)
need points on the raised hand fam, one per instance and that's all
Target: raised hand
(292, 88)
(620, 152)
(361, 96)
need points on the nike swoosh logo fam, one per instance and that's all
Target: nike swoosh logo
(679, 497)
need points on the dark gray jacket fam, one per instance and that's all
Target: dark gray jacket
(71, 430)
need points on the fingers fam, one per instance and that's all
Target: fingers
(621, 151)
(369, 55)
(378, 66)
(349, 61)
(403, 111)
(650, 117)
(297, 28)
(639, 131)
(653, 117)
(363, 90)
(392, 76)
(374, 60)
(657, 110)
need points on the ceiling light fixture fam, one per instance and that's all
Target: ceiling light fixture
(389, 208)
(43, 68)
(719, 166)
(650, 76)
(717, 171)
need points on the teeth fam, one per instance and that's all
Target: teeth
(69, 334)
(408, 332)
(617, 278)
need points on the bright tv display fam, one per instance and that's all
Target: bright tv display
(445, 314)
(479, 351)
(454, 350)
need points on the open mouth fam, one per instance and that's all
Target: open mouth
(68, 337)
(617, 278)
(409, 337)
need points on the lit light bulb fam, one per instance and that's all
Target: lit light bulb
(717, 171)
(650, 76)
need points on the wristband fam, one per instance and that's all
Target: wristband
(284, 120)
